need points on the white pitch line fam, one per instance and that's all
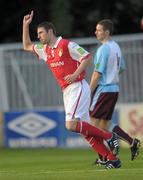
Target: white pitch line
(66, 171)
(93, 170)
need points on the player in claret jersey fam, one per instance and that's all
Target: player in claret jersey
(68, 61)
(108, 65)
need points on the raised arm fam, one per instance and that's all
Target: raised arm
(27, 44)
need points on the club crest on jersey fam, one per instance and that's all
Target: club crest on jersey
(60, 52)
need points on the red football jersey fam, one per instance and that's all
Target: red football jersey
(63, 58)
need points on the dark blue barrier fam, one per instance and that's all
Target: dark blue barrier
(36, 129)
(32, 129)
(40, 129)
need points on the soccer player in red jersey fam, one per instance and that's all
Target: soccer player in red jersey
(68, 61)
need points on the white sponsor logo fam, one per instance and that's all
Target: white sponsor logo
(56, 64)
(31, 125)
(76, 142)
(33, 142)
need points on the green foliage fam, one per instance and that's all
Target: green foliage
(61, 16)
(72, 18)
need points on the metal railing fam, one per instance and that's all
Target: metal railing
(28, 84)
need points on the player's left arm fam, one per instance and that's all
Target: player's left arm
(94, 80)
(83, 65)
(122, 66)
(81, 55)
(100, 61)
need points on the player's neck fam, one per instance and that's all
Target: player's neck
(106, 40)
(53, 41)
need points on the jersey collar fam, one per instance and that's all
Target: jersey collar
(57, 42)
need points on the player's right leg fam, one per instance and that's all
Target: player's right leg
(134, 143)
(77, 101)
(110, 160)
(101, 110)
(135, 148)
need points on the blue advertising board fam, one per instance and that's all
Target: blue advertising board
(32, 129)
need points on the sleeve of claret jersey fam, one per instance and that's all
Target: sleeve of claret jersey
(101, 58)
(39, 50)
(77, 52)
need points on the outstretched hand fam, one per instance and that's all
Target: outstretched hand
(28, 18)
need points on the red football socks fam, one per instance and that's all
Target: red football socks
(87, 129)
(97, 144)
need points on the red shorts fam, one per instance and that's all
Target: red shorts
(105, 105)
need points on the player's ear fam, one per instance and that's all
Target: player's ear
(107, 32)
(50, 30)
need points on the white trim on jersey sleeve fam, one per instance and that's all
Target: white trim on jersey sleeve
(76, 51)
(40, 50)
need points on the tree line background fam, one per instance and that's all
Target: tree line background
(72, 18)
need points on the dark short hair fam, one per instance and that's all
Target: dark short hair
(107, 25)
(47, 25)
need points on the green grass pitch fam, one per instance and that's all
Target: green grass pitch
(64, 164)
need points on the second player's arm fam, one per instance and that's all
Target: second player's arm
(94, 80)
